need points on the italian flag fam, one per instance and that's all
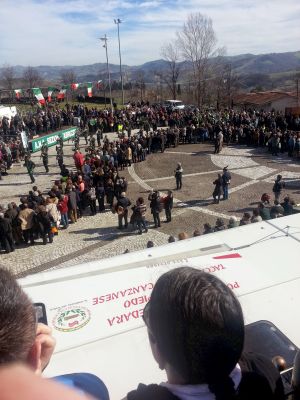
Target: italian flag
(50, 91)
(61, 94)
(18, 93)
(99, 84)
(74, 86)
(89, 86)
(39, 95)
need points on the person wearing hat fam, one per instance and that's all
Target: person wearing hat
(226, 178)
(178, 176)
(122, 210)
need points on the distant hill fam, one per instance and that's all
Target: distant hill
(274, 69)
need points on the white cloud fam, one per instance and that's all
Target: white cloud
(49, 32)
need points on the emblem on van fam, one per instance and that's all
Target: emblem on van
(71, 318)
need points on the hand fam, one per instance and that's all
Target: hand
(46, 344)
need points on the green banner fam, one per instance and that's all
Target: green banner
(51, 140)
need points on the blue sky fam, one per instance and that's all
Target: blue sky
(60, 32)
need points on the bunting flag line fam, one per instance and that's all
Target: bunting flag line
(89, 86)
(18, 93)
(38, 94)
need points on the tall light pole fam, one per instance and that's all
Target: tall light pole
(105, 39)
(118, 22)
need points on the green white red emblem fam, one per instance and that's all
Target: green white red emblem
(71, 318)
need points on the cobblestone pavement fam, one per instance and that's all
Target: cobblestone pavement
(91, 238)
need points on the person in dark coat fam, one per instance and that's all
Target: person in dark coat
(178, 176)
(44, 222)
(156, 207)
(169, 206)
(279, 185)
(72, 204)
(100, 194)
(226, 178)
(6, 238)
(218, 189)
(122, 210)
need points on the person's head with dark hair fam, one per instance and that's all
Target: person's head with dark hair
(17, 320)
(171, 239)
(196, 330)
(21, 338)
(150, 244)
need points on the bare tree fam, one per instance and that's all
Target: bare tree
(68, 76)
(8, 76)
(32, 77)
(170, 53)
(197, 42)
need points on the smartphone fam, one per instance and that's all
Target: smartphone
(40, 312)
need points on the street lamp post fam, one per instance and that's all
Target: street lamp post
(104, 39)
(118, 22)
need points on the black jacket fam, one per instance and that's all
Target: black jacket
(260, 380)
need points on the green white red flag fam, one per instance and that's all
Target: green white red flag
(74, 86)
(61, 94)
(89, 86)
(50, 91)
(39, 95)
(18, 93)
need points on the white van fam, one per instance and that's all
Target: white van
(174, 104)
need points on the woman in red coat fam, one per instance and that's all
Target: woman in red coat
(63, 208)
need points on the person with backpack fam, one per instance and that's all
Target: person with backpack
(278, 186)
(196, 333)
(122, 210)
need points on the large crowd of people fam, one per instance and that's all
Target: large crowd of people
(199, 344)
(97, 180)
(278, 132)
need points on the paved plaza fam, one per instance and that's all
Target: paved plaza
(253, 172)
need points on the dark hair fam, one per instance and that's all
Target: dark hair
(171, 239)
(17, 320)
(198, 326)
